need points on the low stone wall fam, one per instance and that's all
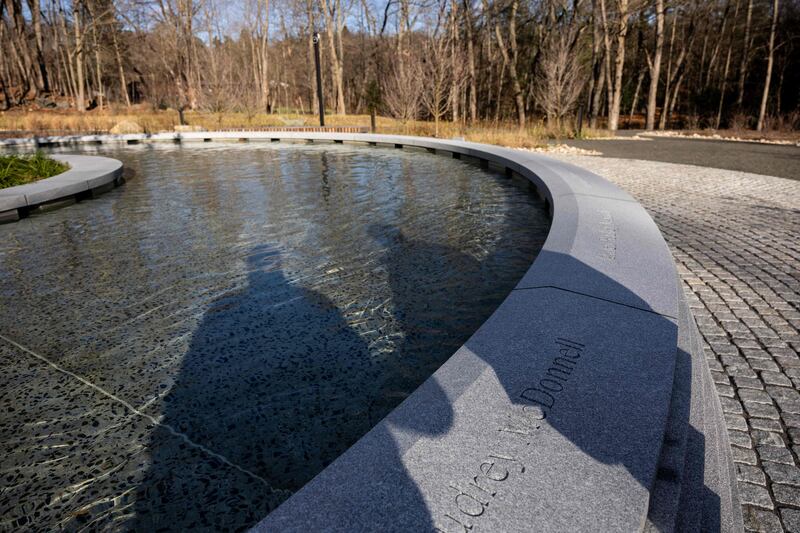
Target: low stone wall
(584, 403)
(87, 176)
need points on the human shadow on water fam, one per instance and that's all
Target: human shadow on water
(275, 385)
(435, 315)
(612, 399)
(440, 295)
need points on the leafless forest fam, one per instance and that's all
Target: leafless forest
(671, 63)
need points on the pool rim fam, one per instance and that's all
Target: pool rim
(601, 245)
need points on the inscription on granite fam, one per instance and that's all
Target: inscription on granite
(472, 498)
(608, 235)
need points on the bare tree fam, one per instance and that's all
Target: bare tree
(436, 72)
(615, 82)
(654, 65)
(333, 17)
(189, 54)
(402, 92)
(770, 60)
(471, 71)
(559, 86)
(512, 59)
(745, 53)
(80, 97)
(726, 69)
(597, 81)
(676, 65)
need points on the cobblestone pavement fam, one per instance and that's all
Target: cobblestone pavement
(736, 241)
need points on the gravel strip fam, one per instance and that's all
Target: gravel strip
(735, 237)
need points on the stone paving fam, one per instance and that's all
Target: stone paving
(736, 241)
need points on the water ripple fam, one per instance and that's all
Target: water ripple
(234, 317)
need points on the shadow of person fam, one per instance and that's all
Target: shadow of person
(569, 434)
(427, 286)
(585, 387)
(275, 385)
(431, 303)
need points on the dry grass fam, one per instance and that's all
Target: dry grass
(503, 133)
(44, 121)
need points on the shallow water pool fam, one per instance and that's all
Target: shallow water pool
(188, 350)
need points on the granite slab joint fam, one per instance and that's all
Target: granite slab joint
(592, 296)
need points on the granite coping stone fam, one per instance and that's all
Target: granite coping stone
(607, 238)
(10, 199)
(675, 471)
(85, 173)
(553, 415)
(496, 441)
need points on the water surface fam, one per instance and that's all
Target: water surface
(189, 349)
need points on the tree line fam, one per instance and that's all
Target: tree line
(674, 63)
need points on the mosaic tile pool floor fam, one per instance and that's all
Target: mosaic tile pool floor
(189, 349)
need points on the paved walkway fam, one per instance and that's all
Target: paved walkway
(736, 241)
(771, 159)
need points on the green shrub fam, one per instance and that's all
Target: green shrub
(21, 169)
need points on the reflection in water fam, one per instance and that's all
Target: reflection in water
(261, 307)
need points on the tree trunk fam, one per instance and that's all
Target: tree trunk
(619, 64)
(655, 67)
(97, 70)
(454, 85)
(675, 91)
(36, 19)
(639, 80)
(745, 54)
(615, 82)
(598, 69)
(770, 61)
(512, 61)
(336, 62)
(123, 83)
(311, 81)
(607, 57)
(264, 56)
(726, 70)
(662, 119)
(719, 38)
(80, 95)
(31, 84)
(473, 96)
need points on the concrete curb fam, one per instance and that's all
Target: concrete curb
(584, 403)
(88, 176)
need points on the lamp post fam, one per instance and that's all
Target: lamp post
(319, 81)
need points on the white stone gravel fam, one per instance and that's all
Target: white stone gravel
(561, 149)
(735, 237)
(718, 137)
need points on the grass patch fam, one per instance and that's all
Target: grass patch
(22, 169)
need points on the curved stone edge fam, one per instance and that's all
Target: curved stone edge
(88, 176)
(694, 489)
(629, 434)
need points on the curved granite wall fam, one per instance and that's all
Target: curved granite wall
(583, 403)
(87, 176)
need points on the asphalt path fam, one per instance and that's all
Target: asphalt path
(758, 158)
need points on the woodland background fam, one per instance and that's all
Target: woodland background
(645, 63)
